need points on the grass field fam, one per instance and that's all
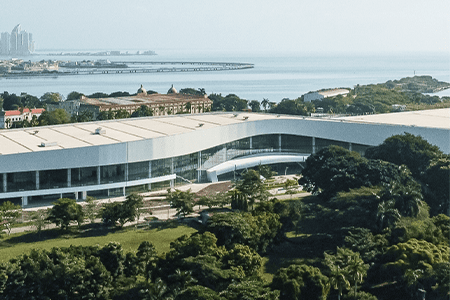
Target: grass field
(129, 238)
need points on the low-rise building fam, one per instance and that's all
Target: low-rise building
(7, 118)
(161, 104)
(318, 95)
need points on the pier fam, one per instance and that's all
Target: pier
(134, 67)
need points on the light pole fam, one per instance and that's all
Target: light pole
(285, 171)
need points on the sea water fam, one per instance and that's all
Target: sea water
(275, 75)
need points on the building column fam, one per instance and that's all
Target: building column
(199, 167)
(69, 177)
(98, 175)
(126, 172)
(76, 196)
(37, 180)
(279, 142)
(5, 182)
(251, 145)
(350, 146)
(124, 192)
(150, 174)
(171, 172)
(24, 201)
(83, 195)
(313, 145)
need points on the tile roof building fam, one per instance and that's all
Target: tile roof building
(7, 118)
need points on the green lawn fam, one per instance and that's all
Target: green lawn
(129, 238)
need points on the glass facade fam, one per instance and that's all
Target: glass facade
(20, 181)
(84, 176)
(52, 179)
(113, 173)
(296, 144)
(188, 168)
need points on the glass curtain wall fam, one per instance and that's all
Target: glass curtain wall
(323, 143)
(20, 181)
(52, 179)
(296, 144)
(138, 170)
(83, 176)
(113, 173)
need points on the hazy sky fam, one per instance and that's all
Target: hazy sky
(243, 25)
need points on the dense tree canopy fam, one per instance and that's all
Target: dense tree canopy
(301, 282)
(406, 149)
(334, 169)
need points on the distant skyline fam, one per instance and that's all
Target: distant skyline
(234, 25)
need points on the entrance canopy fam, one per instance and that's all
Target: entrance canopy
(253, 161)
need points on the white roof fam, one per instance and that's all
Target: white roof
(433, 118)
(133, 129)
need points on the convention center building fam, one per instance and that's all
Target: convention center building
(113, 158)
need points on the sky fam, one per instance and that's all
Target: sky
(233, 25)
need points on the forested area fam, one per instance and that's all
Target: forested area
(374, 227)
(364, 99)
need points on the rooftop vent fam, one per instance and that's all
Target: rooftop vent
(235, 115)
(100, 131)
(245, 117)
(49, 144)
(201, 124)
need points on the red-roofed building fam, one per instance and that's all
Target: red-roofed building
(7, 118)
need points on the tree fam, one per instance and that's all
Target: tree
(249, 289)
(118, 213)
(252, 187)
(289, 186)
(182, 201)
(300, 282)
(54, 117)
(437, 191)
(82, 116)
(50, 98)
(39, 219)
(64, 211)
(121, 114)
(258, 231)
(133, 204)
(255, 105)
(98, 95)
(9, 213)
(335, 169)
(265, 103)
(406, 149)
(74, 96)
(106, 115)
(142, 111)
(346, 267)
(90, 209)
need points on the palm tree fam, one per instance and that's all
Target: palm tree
(357, 269)
(265, 103)
(338, 279)
(387, 214)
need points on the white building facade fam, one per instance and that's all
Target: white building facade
(113, 158)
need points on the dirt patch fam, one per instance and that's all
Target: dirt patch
(215, 188)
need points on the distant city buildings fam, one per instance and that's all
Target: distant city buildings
(19, 42)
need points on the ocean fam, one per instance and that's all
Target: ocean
(275, 75)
